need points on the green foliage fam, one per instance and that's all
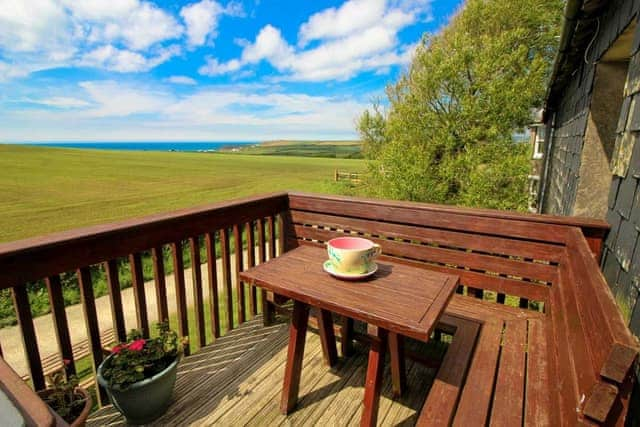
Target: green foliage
(141, 358)
(62, 397)
(447, 135)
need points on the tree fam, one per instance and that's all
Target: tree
(446, 136)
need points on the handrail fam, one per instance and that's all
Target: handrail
(32, 259)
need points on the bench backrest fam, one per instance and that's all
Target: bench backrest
(510, 257)
(594, 350)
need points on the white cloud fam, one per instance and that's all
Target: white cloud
(358, 36)
(61, 102)
(181, 80)
(202, 21)
(125, 61)
(352, 16)
(114, 99)
(34, 26)
(215, 68)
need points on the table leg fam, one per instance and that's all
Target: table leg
(327, 337)
(373, 382)
(295, 352)
(398, 371)
(346, 337)
(268, 313)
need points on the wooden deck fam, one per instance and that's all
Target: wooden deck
(238, 380)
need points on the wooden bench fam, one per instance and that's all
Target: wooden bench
(557, 353)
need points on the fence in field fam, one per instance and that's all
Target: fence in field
(353, 177)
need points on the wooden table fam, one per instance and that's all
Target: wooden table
(398, 300)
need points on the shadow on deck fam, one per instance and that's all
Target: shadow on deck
(238, 380)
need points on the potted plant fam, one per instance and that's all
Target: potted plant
(67, 399)
(139, 375)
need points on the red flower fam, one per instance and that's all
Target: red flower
(118, 348)
(137, 345)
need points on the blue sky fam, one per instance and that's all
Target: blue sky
(136, 70)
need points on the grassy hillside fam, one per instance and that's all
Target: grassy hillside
(43, 190)
(329, 149)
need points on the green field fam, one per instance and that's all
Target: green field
(329, 149)
(43, 190)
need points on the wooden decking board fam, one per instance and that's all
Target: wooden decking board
(244, 387)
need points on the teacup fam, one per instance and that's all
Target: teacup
(352, 255)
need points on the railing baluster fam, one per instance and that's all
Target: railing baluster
(59, 316)
(226, 276)
(272, 239)
(251, 255)
(212, 270)
(198, 303)
(181, 297)
(262, 256)
(135, 262)
(157, 258)
(117, 313)
(91, 320)
(240, 298)
(25, 320)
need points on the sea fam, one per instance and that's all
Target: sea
(148, 146)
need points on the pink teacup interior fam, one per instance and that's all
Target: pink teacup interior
(356, 243)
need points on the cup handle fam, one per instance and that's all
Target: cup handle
(377, 250)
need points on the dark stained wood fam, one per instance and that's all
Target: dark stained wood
(262, 254)
(373, 380)
(589, 226)
(537, 406)
(157, 260)
(115, 298)
(60, 324)
(29, 340)
(476, 396)
(397, 360)
(443, 397)
(271, 223)
(240, 296)
(421, 215)
(346, 337)
(474, 261)
(411, 310)
(32, 259)
(226, 276)
(181, 296)
(212, 272)
(198, 300)
(600, 401)
(446, 238)
(295, 353)
(327, 337)
(88, 301)
(251, 261)
(617, 365)
(508, 401)
(137, 281)
(494, 283)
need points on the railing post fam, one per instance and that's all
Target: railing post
(25, 321)
(93, 329)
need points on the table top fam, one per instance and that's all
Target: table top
(400, 298)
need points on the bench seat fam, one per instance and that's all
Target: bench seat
(494, 372)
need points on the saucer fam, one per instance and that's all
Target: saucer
(328, 267)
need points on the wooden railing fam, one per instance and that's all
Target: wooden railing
(227, 225)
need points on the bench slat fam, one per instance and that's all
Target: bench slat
(537, 401)
(509, 391)
(473, 408)
(441, 402)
